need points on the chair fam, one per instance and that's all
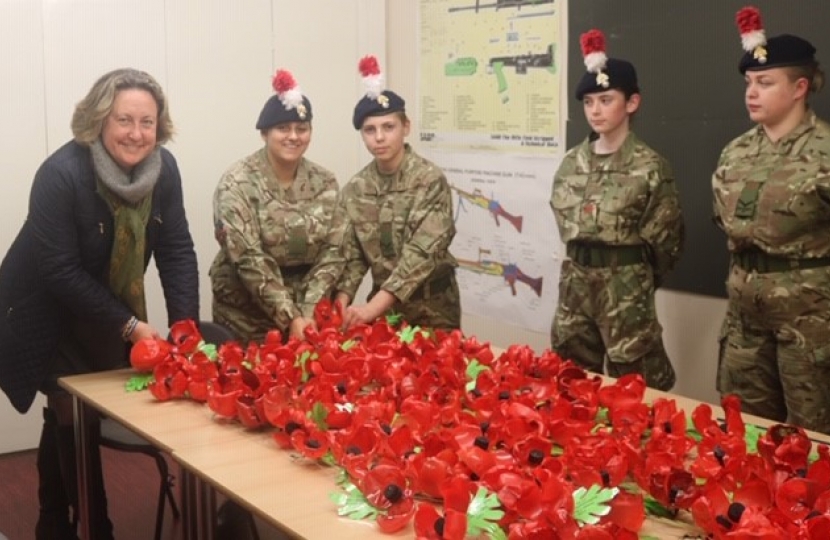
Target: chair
(118, 437)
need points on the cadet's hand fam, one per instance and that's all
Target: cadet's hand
(358, 314)
(298, 324)
(377, 306)
(342, 299)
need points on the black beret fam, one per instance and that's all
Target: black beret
(274, 112)
(779, 51)
(387, 102)
(617, 75)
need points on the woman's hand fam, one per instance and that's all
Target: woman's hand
(143, 330)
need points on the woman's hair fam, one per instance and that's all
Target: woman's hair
(91, 112)
(812, 72)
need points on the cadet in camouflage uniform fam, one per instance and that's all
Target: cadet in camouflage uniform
(272, 211)
(617, 209)
(772, 198)
(395, 219)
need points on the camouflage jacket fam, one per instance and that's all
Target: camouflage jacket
(398, 226)
(776, 196)
(627, 198)
(263, 228)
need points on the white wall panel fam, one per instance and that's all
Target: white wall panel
(22, 148)
(83, 39)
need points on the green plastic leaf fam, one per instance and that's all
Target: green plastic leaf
(591, 504)
(209, 349)
(602, 417)
(136, 383)
(692, 431)
(407, 335)
(483, 515)
(473, 369)
(751, 436)
(654, 508)
(394, 319)
(348, 344)
(318, 415)
(302, 362)
(353, 504)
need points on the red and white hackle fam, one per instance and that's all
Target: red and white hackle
(753, 38)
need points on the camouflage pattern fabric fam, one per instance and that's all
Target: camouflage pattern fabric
(606, 318)
(399, 227)
(776, 346)
(270, 238)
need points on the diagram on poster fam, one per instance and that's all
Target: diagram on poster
(490, 76)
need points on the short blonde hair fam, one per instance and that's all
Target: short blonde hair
(92, 111)
(812, 72)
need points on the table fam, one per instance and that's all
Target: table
(169, 426)
(247, 466)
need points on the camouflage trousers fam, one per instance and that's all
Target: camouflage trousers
(606, 320)
(775, 347)
(433, 305)
(236, 309)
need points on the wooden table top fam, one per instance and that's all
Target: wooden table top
(247, 466)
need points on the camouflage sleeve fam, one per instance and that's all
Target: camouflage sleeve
(433, 228)
(236, 218)
(324, 276)
(662, 227)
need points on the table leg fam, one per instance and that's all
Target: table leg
(198, 507)
(87, 512)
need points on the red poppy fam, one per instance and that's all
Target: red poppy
(146, 354)
(311, 442)
(169, 380)
(185, 336)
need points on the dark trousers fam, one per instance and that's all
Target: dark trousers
(57, 476)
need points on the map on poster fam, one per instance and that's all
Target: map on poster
(490, 75)
(489, 111)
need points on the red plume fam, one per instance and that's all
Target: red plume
(283, 81)
(748, 19)
(368, 66)
(592, 41)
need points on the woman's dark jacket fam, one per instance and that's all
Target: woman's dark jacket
(54, 278)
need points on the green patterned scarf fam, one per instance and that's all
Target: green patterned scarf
(129, 199)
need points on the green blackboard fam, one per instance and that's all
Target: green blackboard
(686, 54)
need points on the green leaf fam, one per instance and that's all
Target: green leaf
(139, 382)
(348, 344)
(209, 349)
(353, 504)
(692, 431)
(483, 515)
(407, 335)
(592, 503)
(473, 369)
(302, 362)
(654, 508)
(318, 415)
(751, 436)
(394, 319)
(602, 416)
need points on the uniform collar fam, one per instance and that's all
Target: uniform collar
(794, 141)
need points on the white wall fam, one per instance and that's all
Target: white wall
(691, 322)
(214, 58)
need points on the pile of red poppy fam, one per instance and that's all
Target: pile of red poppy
(519, 446)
